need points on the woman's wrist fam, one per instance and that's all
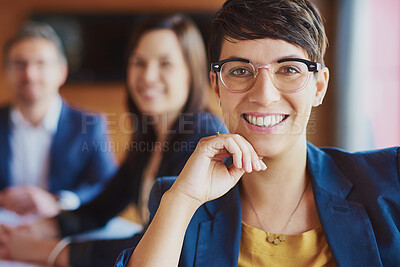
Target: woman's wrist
(165, 234)
(184, 201)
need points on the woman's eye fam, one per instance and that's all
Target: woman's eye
(138, 63)
(288, 70)
(240, 72)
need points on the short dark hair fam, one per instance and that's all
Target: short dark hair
(34, 29)
(297, 22)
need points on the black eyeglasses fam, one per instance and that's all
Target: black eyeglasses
(289, 75)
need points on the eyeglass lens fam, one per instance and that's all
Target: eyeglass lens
(287, 76)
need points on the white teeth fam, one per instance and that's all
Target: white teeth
(253, 120)
(267, 121)
(273, 120)
(260, 121)
(150, 93)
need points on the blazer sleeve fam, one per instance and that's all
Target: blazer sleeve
(105, 252)
(159, 188)
(111, 201)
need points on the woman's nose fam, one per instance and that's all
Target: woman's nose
(264, 91)
(151, 73)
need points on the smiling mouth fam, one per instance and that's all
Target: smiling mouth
(150, 93)
(265, 121)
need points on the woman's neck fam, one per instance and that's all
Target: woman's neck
(163, 125)
(285, 177)
(284, 169)
(276, 191)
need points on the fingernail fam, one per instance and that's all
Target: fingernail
(250, 168)
(239, 164)
(263, 165)
(258, 166)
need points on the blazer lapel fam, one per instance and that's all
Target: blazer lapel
(222, 233)
(5, 149)
(346, 225)
(57, 150)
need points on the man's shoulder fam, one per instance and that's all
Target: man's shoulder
(78, 112)
(4, 113)
(5, 109)
(81, 118)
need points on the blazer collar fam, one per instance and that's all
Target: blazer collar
(5, 149)
(346, 225)
(64, 130)
(325, 174)
(222, 233)
(64, 127)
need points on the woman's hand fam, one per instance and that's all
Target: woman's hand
(205, 177)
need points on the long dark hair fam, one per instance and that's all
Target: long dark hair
(193, 49)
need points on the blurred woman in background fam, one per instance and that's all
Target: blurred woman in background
(167, 88)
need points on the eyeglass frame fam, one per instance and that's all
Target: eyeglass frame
(311, 66)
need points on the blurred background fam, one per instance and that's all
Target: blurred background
(362, 107)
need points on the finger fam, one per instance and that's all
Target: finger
(4, 234)
(247, 151)
(222, 155)
(5, 253)
(263, 165)
(24, 208)
(256, 161)
(216, 146)
(229, 144)
(253, 161)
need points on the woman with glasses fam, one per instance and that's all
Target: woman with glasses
(281, 201)
(167, 88)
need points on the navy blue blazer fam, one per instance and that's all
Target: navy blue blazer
(358, 202)
(80, 160)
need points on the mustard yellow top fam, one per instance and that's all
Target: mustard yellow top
(303, 250)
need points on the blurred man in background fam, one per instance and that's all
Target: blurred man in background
(52, 157)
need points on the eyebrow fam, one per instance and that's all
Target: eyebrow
(275, 60)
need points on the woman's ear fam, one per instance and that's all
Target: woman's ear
(214, 84)
(322, 86)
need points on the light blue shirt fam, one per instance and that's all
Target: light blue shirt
(30, 148)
